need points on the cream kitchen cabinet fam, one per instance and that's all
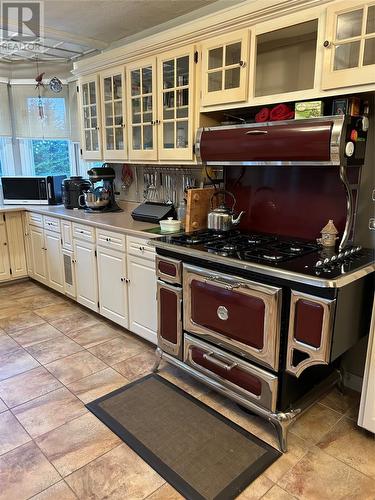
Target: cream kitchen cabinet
(90, 117)
(26, 231)
(38, 253)
(55, 267)
(113, 293)
(225, 69)
(161, 106)
(86, 274)
(4, 253)
(112, 91)
(349, 46)
(142, 289)
(16, 245)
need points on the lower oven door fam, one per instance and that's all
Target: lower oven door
(236, 375)
(241, 315)
(169, 300)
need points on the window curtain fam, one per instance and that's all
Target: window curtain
(5, 124)
(28, 123)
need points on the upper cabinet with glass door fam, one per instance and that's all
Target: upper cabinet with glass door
(90, 118)
(112, 87)
(141, 91)
(225, 69)
(175, 106)
(349, 54)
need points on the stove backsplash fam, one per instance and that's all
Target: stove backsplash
(289, 201)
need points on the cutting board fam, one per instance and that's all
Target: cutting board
(197, 208)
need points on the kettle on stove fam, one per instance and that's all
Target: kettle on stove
(222, 218)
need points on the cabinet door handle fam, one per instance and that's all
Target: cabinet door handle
(209, 356)
(326, 44)
(242, 64)
(256, 132)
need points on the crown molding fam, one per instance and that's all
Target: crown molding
(226, 20)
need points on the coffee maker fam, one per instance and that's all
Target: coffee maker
(101, 197)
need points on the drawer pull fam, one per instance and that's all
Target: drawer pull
(256, 132)
(209, 356)
(228, 285)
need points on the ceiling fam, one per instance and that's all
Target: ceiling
(76, 28)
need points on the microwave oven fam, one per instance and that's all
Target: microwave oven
(36, 190)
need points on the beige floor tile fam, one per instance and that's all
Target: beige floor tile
(60, 347)
(75, 321)
(166, 492)
(94, 386)
(11, 309)
(341, 402)
(48, 412)
(12, 434)
(20, 289)
(24, 472)
(353, 412)
(256, 489)
(297, 448)
(117, 350)
(136, 366)
(87, 439)
(7, 345)
(76, 366)
(319, 476)
(39, 300)
(16, 362)
(3, 406)
(36, 334)
(277, 493)
(352, 445)
(93, 335)
(26, 386)
(12, 324)
(59, 491)
(316, 422)
(57, 311)
(120, 474)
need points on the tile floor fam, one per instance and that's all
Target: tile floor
(56, 356)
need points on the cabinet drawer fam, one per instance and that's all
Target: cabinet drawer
(140, 248)
(231, 372)
(85, 233)
(51, 224)
(108, 239)
(35, 219)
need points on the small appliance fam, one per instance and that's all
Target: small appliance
(153, 212)
(35, 190)
(101, 195)
(72, 189)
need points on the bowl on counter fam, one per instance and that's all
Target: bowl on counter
(170, 225)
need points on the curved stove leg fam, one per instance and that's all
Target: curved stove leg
(281, 422)
(159, 356)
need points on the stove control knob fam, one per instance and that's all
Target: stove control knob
(358, 248)
(326, 261)
(333, 258)
(319, 263)
(353, 250)
(346, 253)
(340, 255)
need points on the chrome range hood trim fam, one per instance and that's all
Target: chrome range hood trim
(336, 147)
(266, 270)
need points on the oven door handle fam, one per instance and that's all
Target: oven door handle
(209, 356)
(226, 284)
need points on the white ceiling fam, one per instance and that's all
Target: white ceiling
(74, 28)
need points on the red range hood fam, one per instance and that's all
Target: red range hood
(314, 141)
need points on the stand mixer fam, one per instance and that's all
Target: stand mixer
(101, 198)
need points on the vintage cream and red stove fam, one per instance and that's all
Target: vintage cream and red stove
(263, 314)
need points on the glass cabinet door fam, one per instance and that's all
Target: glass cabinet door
(349, 47)
(91, 145)
(175, 105)
(113, 111)
(141, 111)
(224, 69)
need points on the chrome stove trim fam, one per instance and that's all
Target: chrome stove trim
(336, 149)
(170, 347)
(167, 277)
(317, 355)
(269, 382)
(270, 296)
(266, 270)
(280, 420)
(349, 208)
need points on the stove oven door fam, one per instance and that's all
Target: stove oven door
(241, 315)
(169, 298)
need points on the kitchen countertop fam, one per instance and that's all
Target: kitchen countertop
(113, 221)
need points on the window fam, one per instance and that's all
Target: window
(51, 157)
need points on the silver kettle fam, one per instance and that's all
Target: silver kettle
(222, 218)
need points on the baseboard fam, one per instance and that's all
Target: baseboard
(352, 381)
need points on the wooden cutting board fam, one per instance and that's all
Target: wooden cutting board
(197, 208)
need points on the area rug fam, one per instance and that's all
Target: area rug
(201, 453)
